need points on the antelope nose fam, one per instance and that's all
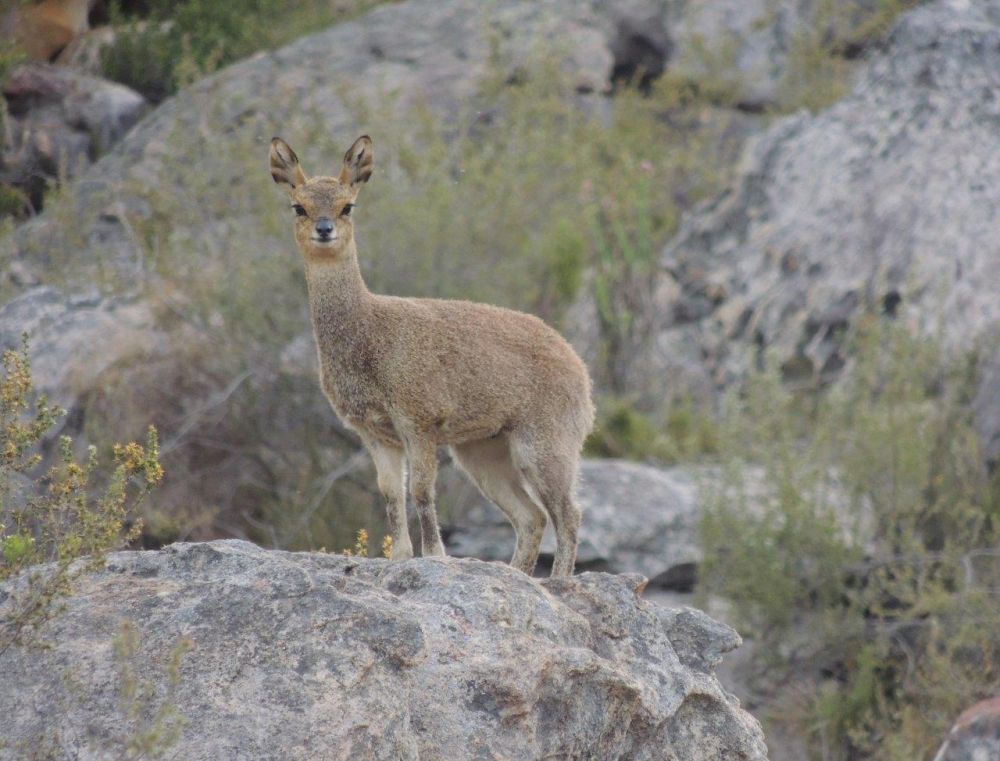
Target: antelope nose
(324, 227)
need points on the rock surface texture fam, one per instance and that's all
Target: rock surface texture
(883, 202)
(305, 656)
(75, 340)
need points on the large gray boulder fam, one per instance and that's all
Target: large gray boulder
(305, 656)
(883, 202)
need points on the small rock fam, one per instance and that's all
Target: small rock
(975, 735)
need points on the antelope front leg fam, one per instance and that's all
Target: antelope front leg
(389, 464)
(422, 458)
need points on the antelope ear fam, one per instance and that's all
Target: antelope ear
(358, 162)
(285, 167)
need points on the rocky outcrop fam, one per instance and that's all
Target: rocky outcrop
(59, 121)
(881, 203)
(975, 735)
(740, 47)
(305, 656)
(636, 519)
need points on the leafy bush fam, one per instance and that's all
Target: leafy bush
(56, 519)
(687, 432)
(862, 542)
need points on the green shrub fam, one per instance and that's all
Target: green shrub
(176, 43)
(13, 201)
(57, 518)
(818, 71)
(856, 535)
(687, 431)
(622, 431)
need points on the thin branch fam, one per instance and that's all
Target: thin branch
(354, 463)
(195, 417)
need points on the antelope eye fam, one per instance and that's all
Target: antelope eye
(300, 210)
(346, 211)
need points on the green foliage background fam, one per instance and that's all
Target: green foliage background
(168, 44)
(854, 531)
(857, 537)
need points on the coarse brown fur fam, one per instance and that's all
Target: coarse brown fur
(501, 388)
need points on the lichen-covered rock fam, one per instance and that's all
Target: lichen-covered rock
(882, 202)
(305, 656)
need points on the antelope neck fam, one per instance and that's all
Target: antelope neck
(339, 301)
